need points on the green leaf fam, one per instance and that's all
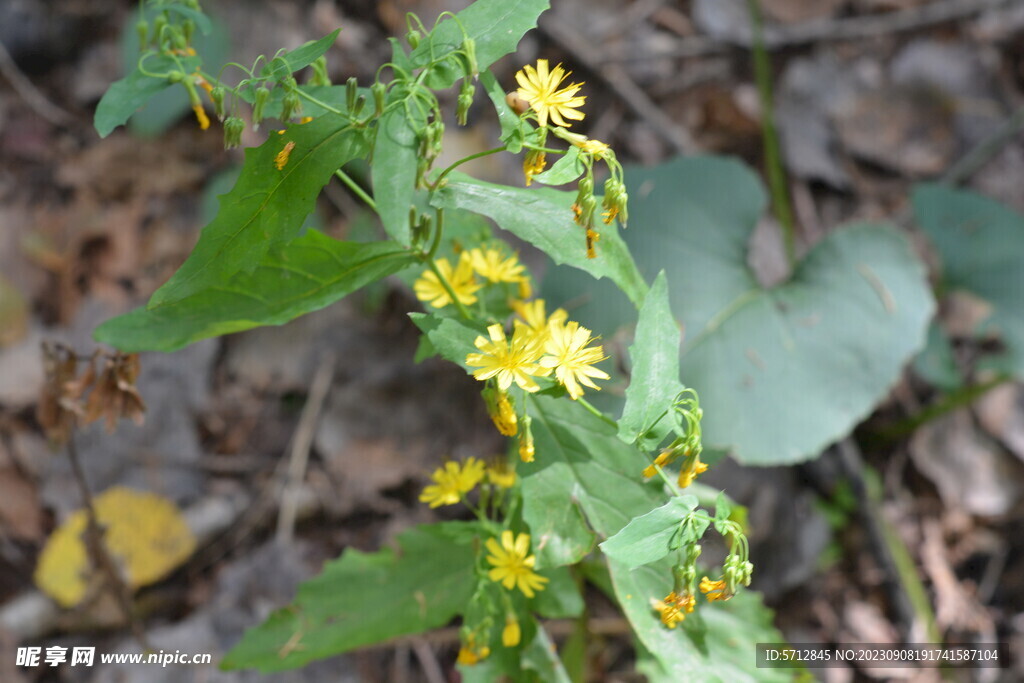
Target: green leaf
(537, 661)
(937, 362)
(267, 206)
(124, 97)
(781, 372)
(566, 170)
(647, 538)
(450, 337)
(654, 381)
(543, 217)
(981, 244)
(561, 597)
(395, 154)
(507, 119)
(302, 56)
(364, 598)
(308, 274)
(495, 25)
(715, 644)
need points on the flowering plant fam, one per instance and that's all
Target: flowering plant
(583, 497)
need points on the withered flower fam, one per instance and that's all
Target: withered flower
(114, 394)
(58, 404)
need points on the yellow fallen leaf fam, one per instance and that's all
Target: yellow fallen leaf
(145, 534)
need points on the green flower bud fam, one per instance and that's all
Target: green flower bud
(259, 104)
(379, 90)
(175, 76)
(360, 103)
(178, 38)
(188, 28)
(233, 127)
(142, 29)
(351, 92)
(159, 24)
(469, 48)
(291, 106)
(320, 76)
(413, 37)
(217, 96)
(465, 101)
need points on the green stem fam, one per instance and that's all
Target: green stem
(956, 399)
(668, 482)
(437, 183)
(594, 411)
(356, 190)
(438, 231)
(334, 110)
(772, 154)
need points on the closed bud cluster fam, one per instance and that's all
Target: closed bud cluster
(379, 90)
(465, 101)
(259, 105)
(217, 97)
(614, 203)
(291, 105)
(320, 76)
(233, 127)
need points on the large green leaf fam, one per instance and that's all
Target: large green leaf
(781, 372)
(647, 538)
(451, 337)
(301, 56)
(715, 644)
(365, 598)
(395, 154)
(303, 276)
(583, 468)
(543, 217)
(124, 97)
(654, 380)
(981, 244)
(495, 25)
(268, 205)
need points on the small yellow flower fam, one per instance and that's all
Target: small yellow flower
(509, 361)
(674, 608)
(461, 280)
(490, 264)
(539, 87)
(511, 634)
(471, 653)
(660, 461)
(691, 468)
(453, 481)
(595, 148)
(499, 407)
(534, 316)
(570, 358)
(204, 120)
(714, 590)
(512, 566)
(501, 475)
(533, 164)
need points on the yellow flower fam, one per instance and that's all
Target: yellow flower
(491, 265)
(204, 120)
(714, 590)
(509, 361)
(452, 481)
(536, 319)
(533, 164)
(692, 466)
(674, 608)
(501, 475)
(662, 459)
(471, 653)
(511, 634)
(499, 407)
(571, 359)
(595, 148)
(461, 280)
(539, 87)
(512, 566)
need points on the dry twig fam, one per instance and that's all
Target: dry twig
(28, 92)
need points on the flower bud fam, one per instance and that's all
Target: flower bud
(465, 102)
(351, 93)
(188, 28)
(290, 106)
(217, 97)
(469, 48)
(413, 37)
(320, 76)
(233, 127)
(379, 90)
(142, 29)
(175, 76)
(259, 104)
(159, 24)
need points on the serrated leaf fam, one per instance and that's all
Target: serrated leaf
(306, 275)
(301, 56)
(450, 337)
(124, 97)
(981, 244)
(543, 217)
(267, 206)
(802, 362)
(654, 379)
(646, 538)
(715, 644)
(395, 155)
(495, 25)
(566, 170)
(364, 598)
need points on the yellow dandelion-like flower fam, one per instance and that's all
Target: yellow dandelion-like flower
(490, 264)
(501, 475)
(539, 86)
(674, 608)
(535, 318)
(453, 481)
(571, 359)
(513, 568)
(429, 288)
(511, 634)
(471, 652)
(507, 360)
(714, 590)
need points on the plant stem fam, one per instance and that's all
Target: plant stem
(356, 190)
(668, 482)
(463, 311)
(956, 399)
(586, 404)
(437, 183)
(772, 155)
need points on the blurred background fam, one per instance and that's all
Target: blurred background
(909, 528)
